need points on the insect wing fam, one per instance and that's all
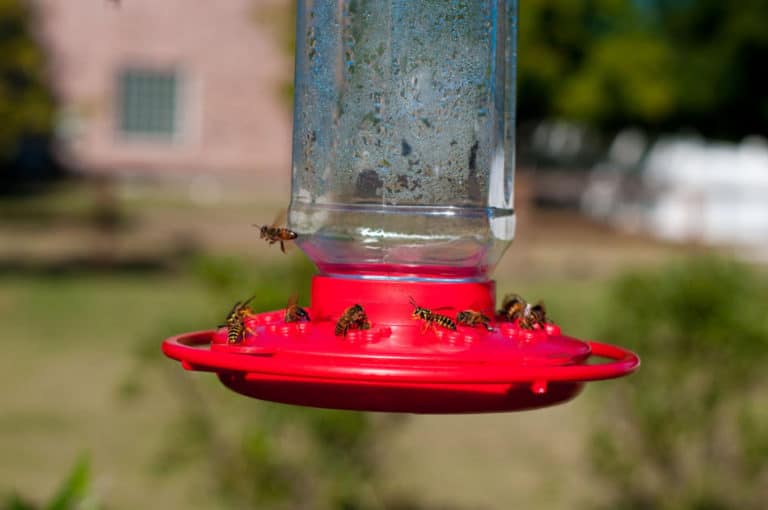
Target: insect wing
(280, 218)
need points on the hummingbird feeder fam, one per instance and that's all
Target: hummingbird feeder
(402, 195)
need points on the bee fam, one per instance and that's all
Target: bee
(353, 317)
(235, 321)
(431, 318)
(274, 234)
(535, 315)
(295, 313)
(512, 307)
(473, 318)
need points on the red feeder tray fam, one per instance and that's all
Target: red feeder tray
(397, 365)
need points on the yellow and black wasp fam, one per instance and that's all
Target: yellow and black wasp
(431, 318)
(235, 321)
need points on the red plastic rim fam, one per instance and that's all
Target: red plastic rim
(399, 365)
(193, 351)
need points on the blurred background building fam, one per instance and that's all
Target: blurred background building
(685, 189)
(148, 88)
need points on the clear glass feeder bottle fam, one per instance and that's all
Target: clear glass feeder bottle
(403, 137)
(403, 158)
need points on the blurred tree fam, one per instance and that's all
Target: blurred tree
(659, 64)
(26, 102)
(555, 41)
(686, 432)
(721, 53)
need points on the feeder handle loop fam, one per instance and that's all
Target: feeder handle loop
(186, 348)
(624, 362)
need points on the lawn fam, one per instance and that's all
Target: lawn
(83, 371)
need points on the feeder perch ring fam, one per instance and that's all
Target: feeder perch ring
(394, 366)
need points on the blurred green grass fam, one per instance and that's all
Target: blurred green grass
(83, 370)
(86, 373)
(77, 342)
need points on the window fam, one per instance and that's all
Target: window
(148, 103)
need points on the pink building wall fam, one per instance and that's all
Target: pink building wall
(232, 118)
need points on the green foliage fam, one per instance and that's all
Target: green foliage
(610, 86)
(686, 432)
(74, 490)
(26, 104)
(270, 455)
(721, 49)
(74, 493)
(555, 41)
(231, 279)
(660, 64)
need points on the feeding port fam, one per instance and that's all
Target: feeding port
(402, 195)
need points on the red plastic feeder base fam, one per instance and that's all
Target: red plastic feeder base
(398, 365)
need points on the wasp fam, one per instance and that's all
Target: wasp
(533, 316)
(236, 332)
(293, 312)
(512, 307)
(352, 317)
(431, 318)
(235, 321)
(473, 318)
(274, 234)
